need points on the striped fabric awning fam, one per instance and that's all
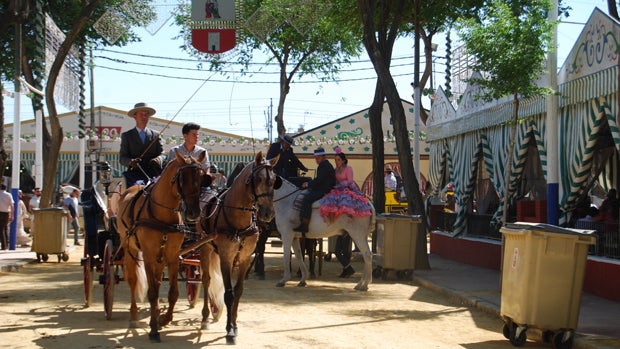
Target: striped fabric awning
(580, 124)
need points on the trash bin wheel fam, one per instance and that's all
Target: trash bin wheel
(404, 274)
(376, 273)
(563, 340)
(515, 334)
(45, 257)
(506, 331)
(65, 257)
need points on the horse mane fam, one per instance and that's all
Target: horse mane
(238, 168)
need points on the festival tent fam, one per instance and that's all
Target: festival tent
(588, 83)
(225, 149)
(351, 134)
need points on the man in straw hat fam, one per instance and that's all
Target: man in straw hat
(323, 182)
(141, 148)
(289, 163)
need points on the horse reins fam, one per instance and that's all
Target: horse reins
(221, 198)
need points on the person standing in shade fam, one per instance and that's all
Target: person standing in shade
(6, 215)
(71, 204)
(34, 202)
(141, 148)
(317, 188)
(22, 214)
(390, 180)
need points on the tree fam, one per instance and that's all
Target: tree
(509, 45)
(76, 19)
(381, 22)
(318, 50)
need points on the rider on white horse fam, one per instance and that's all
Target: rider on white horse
(323, 182)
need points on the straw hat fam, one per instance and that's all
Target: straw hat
(141, 106)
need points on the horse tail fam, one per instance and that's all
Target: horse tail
(142, 284)
(373, 218)
(216, 286)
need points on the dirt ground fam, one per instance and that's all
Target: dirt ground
(41, 306)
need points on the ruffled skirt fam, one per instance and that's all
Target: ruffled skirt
(341, 201)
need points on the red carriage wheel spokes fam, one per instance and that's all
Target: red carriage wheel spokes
(109, 279)
(88, 281)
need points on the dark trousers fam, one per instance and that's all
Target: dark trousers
(306, 204)
(343, 249)
(259, 251)
(4, 230)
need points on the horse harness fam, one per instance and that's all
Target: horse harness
(215, 208)
(152, 222)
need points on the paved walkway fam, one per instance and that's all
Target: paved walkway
(599, 320)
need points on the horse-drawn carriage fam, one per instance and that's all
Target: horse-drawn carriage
(150, 234)
(103, 254)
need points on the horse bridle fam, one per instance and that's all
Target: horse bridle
(249, 181)
(178, 178)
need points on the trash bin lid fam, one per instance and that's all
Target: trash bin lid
(399, 216)
(548, 228)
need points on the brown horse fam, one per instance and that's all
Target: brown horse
(150, 224)
(230, 221)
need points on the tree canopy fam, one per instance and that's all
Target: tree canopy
(304, 44)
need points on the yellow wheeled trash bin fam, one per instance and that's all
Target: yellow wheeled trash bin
(543, 269)
(50, 236)
(396, 244)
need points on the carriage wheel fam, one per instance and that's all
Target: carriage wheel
(88, 281)
(192, 285)
(109, 279)
(65, 257)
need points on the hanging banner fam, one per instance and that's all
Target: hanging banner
(213, 25)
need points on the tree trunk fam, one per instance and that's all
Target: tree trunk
(284, 89)
(381, 63)
(50, 161)
(378, 146)
(511, 149)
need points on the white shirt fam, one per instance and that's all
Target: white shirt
(390, 181)
(194, 153)
(6, 202)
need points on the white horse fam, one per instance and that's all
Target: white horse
(287, 217)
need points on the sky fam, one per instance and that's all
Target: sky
(158, 72)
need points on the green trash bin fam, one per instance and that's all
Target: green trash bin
(543, 269)
(396, 244)
(50, 236)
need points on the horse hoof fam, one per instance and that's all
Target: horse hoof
(281, 284)
(163, 321)
(154, 337)
(204, 325)
(361, 288)
(301, 284)
(232, 340)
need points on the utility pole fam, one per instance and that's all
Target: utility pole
(16, 133)
(269, 120)
(417, 98)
